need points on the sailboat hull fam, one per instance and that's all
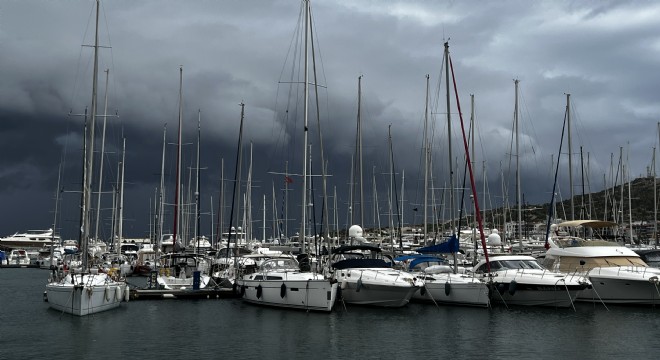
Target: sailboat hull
(460, 291)
(95, 293)
(305, 294)
(376, 287)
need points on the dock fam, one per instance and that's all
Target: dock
(158, 294)
(19, 266)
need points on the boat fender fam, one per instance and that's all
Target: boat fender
(500, 288)
(447, 288)
(422, 291)
(283, 291)
(118, 294)
(127, 293)
(339, 294)
(45, 296)
(106, 293)
(359, 284)
(259, 291)
(513, 287)
(242, 290)
(344, 284)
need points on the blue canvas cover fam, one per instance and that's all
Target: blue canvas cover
(447, 247)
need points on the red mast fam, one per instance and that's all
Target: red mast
(467, 154)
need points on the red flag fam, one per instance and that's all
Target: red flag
(288, 179)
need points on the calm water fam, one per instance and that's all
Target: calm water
(219, 328)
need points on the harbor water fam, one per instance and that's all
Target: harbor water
(229, 328)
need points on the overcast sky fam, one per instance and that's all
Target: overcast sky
(604, 53)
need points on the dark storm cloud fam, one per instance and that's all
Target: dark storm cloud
(603, 53)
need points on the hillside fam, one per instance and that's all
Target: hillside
(641, 195)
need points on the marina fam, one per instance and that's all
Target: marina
(314, 243)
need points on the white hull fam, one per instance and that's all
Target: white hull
(315, 293)
(520, 280)
(376, 287)
(31, 240)
(554, 296)
(461, 291)
(618, 275)
(95, 293)
(623, 286)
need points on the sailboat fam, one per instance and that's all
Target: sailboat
(288, 282)
(441, 283)
(521, 279)
(84, 291)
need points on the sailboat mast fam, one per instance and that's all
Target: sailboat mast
(391, 192)
(57, 202)
(627, 174)
(305, 106)
(570, 155)
(120, 222)
(89, 151)
(178, 160)
(161, 200)
(655, 196)
(105, 117)
(197, 216)
(359, 149)
(451, 161)
(326, 227)
(518, 190)
(426, 159)
(655, 203)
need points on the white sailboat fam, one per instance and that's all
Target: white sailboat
(283, 282)
(83, 291)
(367, 277)
(441, 283)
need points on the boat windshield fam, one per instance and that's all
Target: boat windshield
(279, 264)
(569, 242)
(515, 264)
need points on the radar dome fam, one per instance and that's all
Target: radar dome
(355, 231)
(494, 238)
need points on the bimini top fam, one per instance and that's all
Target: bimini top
(594, 224)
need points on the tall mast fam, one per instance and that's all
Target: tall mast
(570, 155)
(197, 215)
(518, 190)
(305, 106)
(623, 179)
(426, 159)
(120, 227)
(89, 151)
(359, 149)
(655, 197)
(391, 192)
(105, 117)
(161, 192)
(178, 160)
(655, 203)
(451, 161)
(627, 174)
(326, 227)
